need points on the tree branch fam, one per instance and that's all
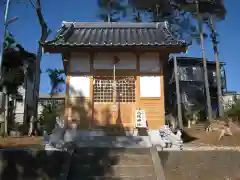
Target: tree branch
(41, 21)
(32, 4)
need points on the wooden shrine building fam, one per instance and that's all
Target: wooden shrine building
(113, 69)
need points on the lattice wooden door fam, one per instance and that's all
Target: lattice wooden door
(123, 111)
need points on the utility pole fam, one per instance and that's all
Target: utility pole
(4, 91)
(200, 27)
(4, 34)
(219, 81)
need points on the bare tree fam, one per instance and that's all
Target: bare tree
(45, 31)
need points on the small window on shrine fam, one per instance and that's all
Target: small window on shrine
(103, 89)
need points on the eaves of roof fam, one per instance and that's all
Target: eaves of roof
(104, 34)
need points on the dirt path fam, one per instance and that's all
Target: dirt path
(200, 137)
(201, 165)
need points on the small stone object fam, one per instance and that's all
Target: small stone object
(59, 123)
(172, 140)
(70, 135)
(57, 137)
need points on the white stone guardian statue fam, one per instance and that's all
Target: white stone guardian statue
(59, 123)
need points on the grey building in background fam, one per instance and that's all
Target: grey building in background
(43, 99)
(191, 83)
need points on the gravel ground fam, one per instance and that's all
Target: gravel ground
(201, 138)
(201, 165)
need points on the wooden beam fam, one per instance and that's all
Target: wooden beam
(136, 49)
(119, 72)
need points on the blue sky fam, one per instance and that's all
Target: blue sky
(26, 30)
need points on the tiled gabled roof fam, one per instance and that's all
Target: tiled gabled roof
(98, 34)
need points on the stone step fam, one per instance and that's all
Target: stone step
(114, 141)
(111, 163)
(111, 171)
(127, 157)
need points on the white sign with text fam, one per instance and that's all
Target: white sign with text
(141, 119)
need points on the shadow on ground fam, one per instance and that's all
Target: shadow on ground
(87, 161)
(186, 137)
(20, 164)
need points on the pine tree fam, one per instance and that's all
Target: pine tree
(111, 10)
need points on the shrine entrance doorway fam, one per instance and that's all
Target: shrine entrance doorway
(114, 108)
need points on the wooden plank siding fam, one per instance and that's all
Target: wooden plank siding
(90, 114)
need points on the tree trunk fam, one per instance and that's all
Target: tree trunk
(44, 34)
(219, 82)
(6, 114)
(179, 107)
(200, 26)
(25, 115)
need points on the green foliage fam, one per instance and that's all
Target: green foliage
(111, 10)
(51, 110)
(182, 23)
(13, 62)
(234, 111)
(181, 14)
(49, 114)
(9, 41)
(137, 16)
(213, 7)
(57, 79)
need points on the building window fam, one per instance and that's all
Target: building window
(125, 89)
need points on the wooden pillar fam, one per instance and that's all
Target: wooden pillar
(67, 98)
(179, 107)
(162, 61)
(67, 109)
(137, 89)
(91, 90)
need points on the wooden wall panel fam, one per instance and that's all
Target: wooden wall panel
(88, 114)
(104, 115)
(154, 108)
